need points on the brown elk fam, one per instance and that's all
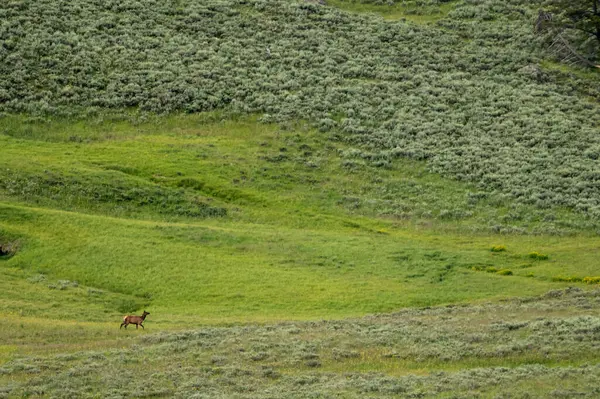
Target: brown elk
(137, 320)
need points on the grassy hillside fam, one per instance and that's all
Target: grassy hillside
(242, 168)
(220, 221)
(487, 350)
(459, 93)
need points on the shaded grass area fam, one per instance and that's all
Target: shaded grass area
(539, 347)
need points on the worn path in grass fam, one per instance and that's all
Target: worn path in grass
(306, 231)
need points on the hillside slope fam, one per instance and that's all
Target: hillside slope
(457, 93)
(242, 168)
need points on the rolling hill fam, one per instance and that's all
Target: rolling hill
(262, 175)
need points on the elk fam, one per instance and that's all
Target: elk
(137, 320)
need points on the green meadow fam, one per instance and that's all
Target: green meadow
(349, 200)
(260, 224)
(266, 228)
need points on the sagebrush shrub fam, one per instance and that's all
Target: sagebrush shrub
(568, 279)
(591, 280)
(498, 248)
(537, 256)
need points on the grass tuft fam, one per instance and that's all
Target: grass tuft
(498, 248)
(591, 280)
(537, 256)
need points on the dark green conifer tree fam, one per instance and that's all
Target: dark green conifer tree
(580, 15)
(575, 25)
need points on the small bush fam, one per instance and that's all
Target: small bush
(64, 284)
(537, 256)
(259, 356)
(591, 280)
(313, 363)
(567, 279)
(498, 248)
(38, 278)
(345, 354)
(525, 265)
(269, 372)
(218, 360)
(505, 272)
